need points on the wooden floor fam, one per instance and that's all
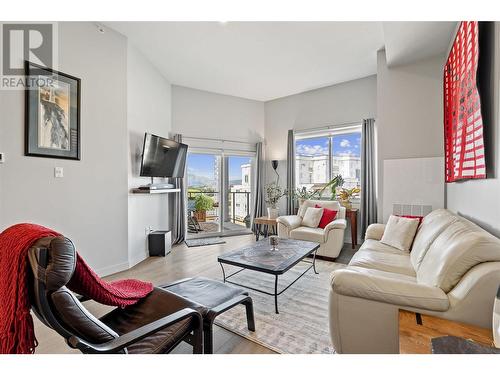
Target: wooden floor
(182, 262)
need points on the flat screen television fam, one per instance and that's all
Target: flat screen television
(162, 157)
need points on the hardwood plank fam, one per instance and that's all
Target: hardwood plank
(416, 338)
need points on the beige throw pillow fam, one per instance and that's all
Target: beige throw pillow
(302, 210)
(312, 217)
(400, 232)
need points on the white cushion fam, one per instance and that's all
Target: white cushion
(302, 210)
(308, 234)
(432, 226)
(459, 247)
(390, 288)
(400, 232)
(312, 217)
(374, 245)
(331, 205)
(384, 261)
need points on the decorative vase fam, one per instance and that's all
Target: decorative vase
(274, 241)
(272, 213)
(346, 204)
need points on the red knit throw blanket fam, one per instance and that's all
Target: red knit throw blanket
(16, 325)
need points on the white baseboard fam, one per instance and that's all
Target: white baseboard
(109, 270)
(106, 271)
(137, 259)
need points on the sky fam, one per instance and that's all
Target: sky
(202, 166)
(342, 144)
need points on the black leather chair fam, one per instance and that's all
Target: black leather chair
(156, 324)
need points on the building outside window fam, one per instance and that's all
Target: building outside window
(320, 158)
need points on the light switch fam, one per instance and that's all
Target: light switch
(2, 158)
(58, 172)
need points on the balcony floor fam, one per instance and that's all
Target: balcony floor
(213, 227)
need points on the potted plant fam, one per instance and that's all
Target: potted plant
(303, 194)
(346, 195)
(202, 203)
(335, 183)
(247, 221)
(274, 193)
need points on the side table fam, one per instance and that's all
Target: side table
(267, 222)
(351, 215)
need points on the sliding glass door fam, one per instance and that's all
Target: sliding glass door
(219, 194)
(238, 190)
(203, 193)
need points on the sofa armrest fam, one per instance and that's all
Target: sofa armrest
(388, 288)
(290, 221)
(375, 232)
(336, 224)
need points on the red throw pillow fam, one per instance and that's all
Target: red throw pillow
(420, 218)
(327, 218)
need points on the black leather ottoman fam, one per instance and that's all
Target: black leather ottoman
(216, 297)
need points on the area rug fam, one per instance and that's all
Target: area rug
(301, 327)
(204, 241)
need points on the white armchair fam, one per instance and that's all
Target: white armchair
(331, 238)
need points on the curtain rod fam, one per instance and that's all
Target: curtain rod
(219, 140)
(328, 127)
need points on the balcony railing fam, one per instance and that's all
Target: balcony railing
(237, 215)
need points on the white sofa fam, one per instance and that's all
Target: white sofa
(452, 271)
(331, 238)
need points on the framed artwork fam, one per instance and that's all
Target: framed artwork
(463, 119)
(52, 113)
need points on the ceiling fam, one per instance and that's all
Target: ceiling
(410, 41)
(269, 60)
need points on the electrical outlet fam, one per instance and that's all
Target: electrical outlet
(58, 172)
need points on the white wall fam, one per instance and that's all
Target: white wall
(148, 110)
(345, 102)
(409, 113)
(197, 113)
(419, 183)
(89, 205)
(479, 200)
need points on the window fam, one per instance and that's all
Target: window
(312, 159)
(320, 158)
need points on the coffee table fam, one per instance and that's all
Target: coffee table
(261, 258)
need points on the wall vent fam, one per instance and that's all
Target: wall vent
(411, 209)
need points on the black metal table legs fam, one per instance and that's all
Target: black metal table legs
(276, 293)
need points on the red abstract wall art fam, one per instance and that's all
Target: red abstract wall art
(463, 123)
